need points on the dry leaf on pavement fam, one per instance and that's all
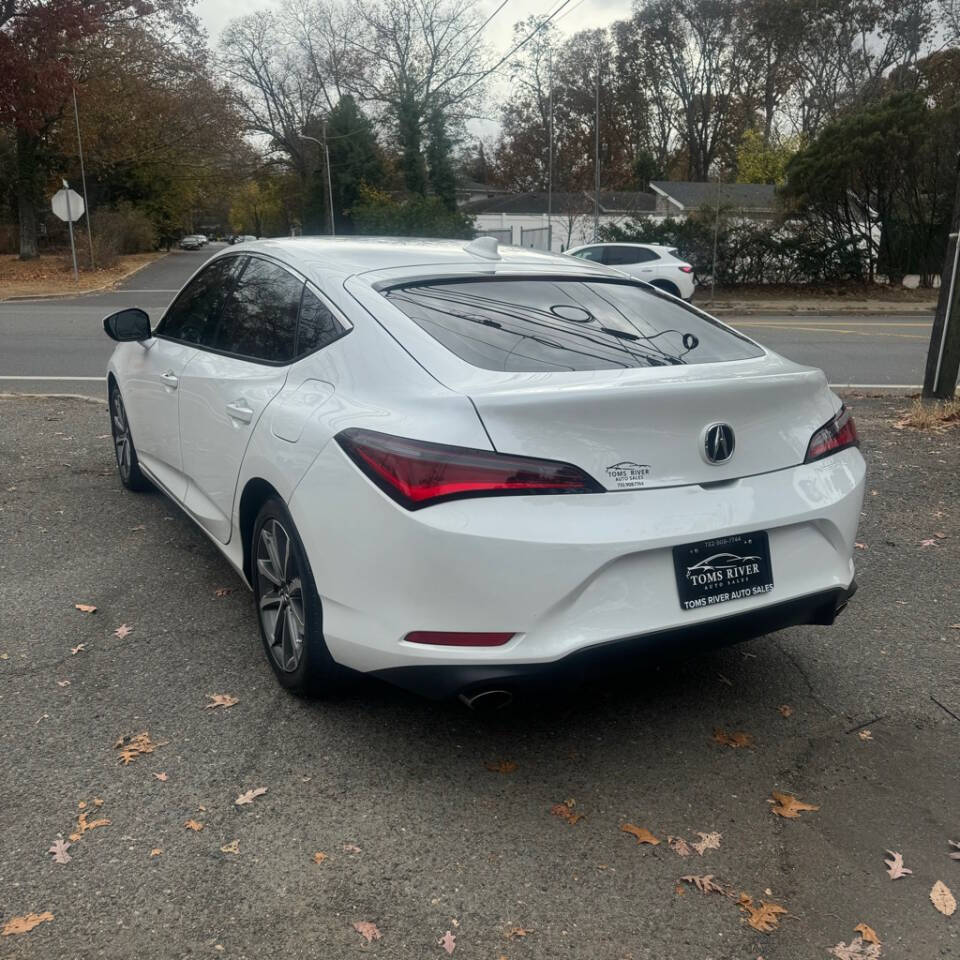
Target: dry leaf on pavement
(132, 747)
(63, 683)
(162, 777)
(220, 700)
(123, 631)
(367, 930)
(704, 884)
(518, 933)
(79, 648)
(448, 941)
(86, 607)
(351, 848)
(250, 796)
(155, 852)
(84, 826)
(319, 857)
(867, 932)
(232, 847)
(785, 710)
(956, 855)
(194, 826)
(865, 735)
(642, 834)
(856, 949)
(679, 846)
(223, 591)
(707, 841)
(565, 812)
(736, 740)
(764, 918)
(786, 805)
(943, 899)
(25, 923)
(502, 766)
(895, 866)
(59, 850)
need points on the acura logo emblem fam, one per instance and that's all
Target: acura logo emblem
(718, 443)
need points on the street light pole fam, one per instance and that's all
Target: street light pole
(83, 177)
(326, 160)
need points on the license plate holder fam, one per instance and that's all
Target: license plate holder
(724, 569)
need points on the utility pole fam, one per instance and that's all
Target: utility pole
(83, 177)
(326, 159)
(943, 356)
(550, 153)
(596, 157)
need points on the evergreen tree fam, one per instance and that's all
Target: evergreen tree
(354, 158)
(440, 160)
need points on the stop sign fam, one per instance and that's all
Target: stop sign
(59, 205)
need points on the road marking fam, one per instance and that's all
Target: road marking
(874, 386)
(52, 378)
(777, 321)
(125, 290)
(824, 329)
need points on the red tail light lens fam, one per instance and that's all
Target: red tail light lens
(686, 268)
(445, 639)
(418, 474)
(837, 434)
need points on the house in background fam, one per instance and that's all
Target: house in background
(680, 198)
(523, 219)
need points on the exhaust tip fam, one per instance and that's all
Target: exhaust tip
(487, 701)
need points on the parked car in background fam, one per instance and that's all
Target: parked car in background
(191, 242)
(244, 238)
(660, 266)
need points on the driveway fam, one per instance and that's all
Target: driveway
(431, 819)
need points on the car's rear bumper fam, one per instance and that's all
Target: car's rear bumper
(445, 680)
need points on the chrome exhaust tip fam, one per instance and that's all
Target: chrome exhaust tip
(487, 701)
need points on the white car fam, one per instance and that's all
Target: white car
(457, 467)
(661, 266)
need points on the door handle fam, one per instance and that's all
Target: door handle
(170, 379)
(239, 410)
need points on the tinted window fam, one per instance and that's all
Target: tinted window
(590, 253)
(259, 319)
(561, 324)
(318, 326)
(194, 314)
(616, 256)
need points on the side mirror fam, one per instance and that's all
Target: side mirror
(126, 325)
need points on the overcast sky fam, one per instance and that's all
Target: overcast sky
(578, 15)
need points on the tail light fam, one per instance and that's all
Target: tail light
(418, 474)
(686, 268)
(837, 434)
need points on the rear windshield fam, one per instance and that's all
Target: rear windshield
(564, 324)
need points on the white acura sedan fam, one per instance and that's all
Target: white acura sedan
(461, 468)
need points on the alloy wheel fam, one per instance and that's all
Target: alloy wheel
(281, 595)
(123, 446)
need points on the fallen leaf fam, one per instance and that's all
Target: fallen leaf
(765, 917)
(139, 526)
(865, 735)
(59, 850)
(954, 856)
(642, 834)
(250, 796)
(502, 766)
(85, 607)
(351, 848)
(79, 648)
(736, 740)
(704, 884)
(942, 898)
(928, 543)
(680, 891)
(232, 847)
(220, 700)
(84, 826)
(122, 632)
(162, 777)
(367, 930)
(156, 852)
(194, 826)
(707, 841)
(785, 710)
(856, 949)
(448, 941)
(132, 747)
(25, 923)
(319, 857)
(940, 535)
(861, 546)
(679, 846)
(868, 933)
(896, 869)
(223, 591)
(63, 683)
(565, 812)
(518, 933)
(786, 805)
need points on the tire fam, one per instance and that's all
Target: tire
(289, 613)
(666, 286)
(128, 466)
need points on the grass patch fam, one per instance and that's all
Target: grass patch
(933, 415)
(52, 274)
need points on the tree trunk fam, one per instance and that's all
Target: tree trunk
(27, 144)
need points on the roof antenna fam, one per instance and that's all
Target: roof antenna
(484, 247)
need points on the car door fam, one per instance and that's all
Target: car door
(150, 390)
(239, 368)
(635, 261)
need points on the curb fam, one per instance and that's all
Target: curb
(800, 313)
(22, 298)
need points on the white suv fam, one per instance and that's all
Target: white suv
(660, 266)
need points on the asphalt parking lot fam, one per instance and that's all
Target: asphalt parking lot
(420, 836)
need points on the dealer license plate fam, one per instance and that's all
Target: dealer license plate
(721, 570)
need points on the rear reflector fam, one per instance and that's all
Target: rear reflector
(442, 639)
(417, 474)
(837, 434)
(686, 268)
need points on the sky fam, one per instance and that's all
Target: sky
(578, 15)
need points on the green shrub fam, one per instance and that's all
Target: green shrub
(379, 214)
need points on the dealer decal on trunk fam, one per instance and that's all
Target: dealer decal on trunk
(626, 474)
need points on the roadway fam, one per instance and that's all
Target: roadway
(58, 346)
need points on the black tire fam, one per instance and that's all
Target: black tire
(128, 466)
(666, 286)
(288, 604)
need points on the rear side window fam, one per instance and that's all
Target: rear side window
(194, 314)
(318, 326)
(259, 319)
(615, 256)
(590, 253)
(564, 324)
